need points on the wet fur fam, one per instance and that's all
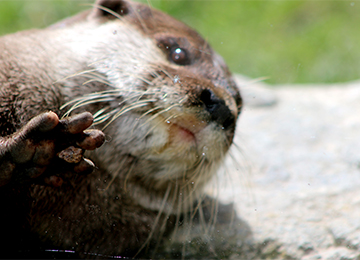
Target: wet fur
(146, 182)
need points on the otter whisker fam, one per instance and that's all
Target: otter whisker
(192, 190)
(178, 210)
(241, 152)
(144, 93)
(143, 24)
(84, 103)
(116, 91)
(161, 112)
(167, 74)
(105, 96)
(214, 208)
(191, 184)
(94, 74)
(96, 80)
(187, 208)
(128, 174)
(92, 101)
(162, 228)
(154, 73)
(199, 168)
(96, 62)
(206, 225)
(99, 112)
(146, 113)
(236, 160)
(198, 206)
(150, 111)
(109, 11)
(228, 176)
(170, 117)
(74, 75)
(91, 96)
(146, 81)
(159, 68)
(123, 71)
(246, 171)
(114, 176)
(254, 81)
(154, 127)
(101, 119)
(127, 109)
(156, 221)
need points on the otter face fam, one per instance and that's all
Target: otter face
(173, 103)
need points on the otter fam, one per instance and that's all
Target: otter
(112, 122)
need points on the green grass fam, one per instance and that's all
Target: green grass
(287, 41)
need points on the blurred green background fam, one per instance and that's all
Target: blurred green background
(287, 41)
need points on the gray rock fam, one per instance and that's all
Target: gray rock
(294, 175)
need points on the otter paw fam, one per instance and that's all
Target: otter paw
(49, 147)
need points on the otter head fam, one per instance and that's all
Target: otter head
(170, 105)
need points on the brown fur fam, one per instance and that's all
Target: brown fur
(148, 178)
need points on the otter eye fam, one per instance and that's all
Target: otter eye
(179, 56)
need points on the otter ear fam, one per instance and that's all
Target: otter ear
(106, 7)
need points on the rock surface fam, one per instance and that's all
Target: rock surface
(294, 173)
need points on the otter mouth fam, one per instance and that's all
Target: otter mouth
(183, 133)
(185, 129)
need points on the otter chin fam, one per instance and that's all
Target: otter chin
(143, 113)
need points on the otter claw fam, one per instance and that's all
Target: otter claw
(71, 154)
(91, 139)
(45, 146)
(85, 166)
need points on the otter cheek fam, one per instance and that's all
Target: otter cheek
(212, 143)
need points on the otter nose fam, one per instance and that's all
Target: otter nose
(217, 108)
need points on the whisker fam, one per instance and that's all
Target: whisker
(109, 11)
(144, 114)
(154, 126)
(196, 173)
(107, 93)
(74, 75)
(178, 210)
(82, 103)
(167, 74)
(93, 73)
(101, 119)
(231, 181)
(156, 221)
(188, 222)
(143, 24)
(215, 209)
(98, 113)
(128, 174)
(113, 179)
(96, 80)
(150, 111)
(170, 117)
(161, 112)
(162, 228)
(146, 81)
(96, 62)
(201, 215)
(125, 110)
